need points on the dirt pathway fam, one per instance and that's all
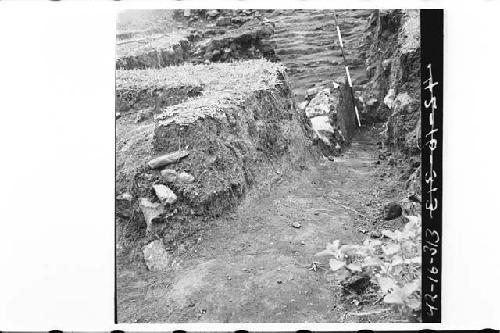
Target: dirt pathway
(253, 265)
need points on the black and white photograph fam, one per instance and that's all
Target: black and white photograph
(268, 166)
(249, 166)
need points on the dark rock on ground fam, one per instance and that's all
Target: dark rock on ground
(392, 210)
(357, 283)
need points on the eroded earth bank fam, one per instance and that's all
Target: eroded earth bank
(239, 157)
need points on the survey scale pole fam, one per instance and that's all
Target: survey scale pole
(346, 68)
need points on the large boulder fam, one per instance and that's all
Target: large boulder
(319, 105)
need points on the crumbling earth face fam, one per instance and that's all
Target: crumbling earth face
(203, 37)
(152, 52)
(197, 155)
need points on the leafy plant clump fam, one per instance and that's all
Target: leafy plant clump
(392, 263)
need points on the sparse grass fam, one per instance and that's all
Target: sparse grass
(242, 76)
(223, 83)
(135, 47)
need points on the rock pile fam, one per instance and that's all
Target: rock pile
(320, 110)
(248, 41)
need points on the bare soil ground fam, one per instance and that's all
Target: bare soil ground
(254, 266)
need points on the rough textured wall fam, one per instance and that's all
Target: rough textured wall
(237, 133)
(393, 67)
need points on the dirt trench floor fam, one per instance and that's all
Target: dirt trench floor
(254, 266)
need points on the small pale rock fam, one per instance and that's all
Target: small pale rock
(185, 178)
(223, 21)
(322, 124)
(302, 105)
(125, 196)
(401, 102)
(156, 257)
(213, 13)
(167, 159)
(164, 194)
(389, 98)
(170, 175)
(150, 210)
(312, 91)
(371, 101)
(117, 115)
(296, 225)
(386, 64)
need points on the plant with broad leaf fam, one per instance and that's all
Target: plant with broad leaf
(393, 264)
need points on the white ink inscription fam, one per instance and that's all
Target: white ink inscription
(431, 203)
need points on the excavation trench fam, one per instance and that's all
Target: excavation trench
(278, 169)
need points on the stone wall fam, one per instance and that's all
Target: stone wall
(393, 67)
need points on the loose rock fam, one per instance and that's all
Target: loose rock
(296, 225)
(125, 196)
(223, 21)
(357, 283)
(151, 211)
(302, 105)
(167, 159)
(311, 92)
(164, 194)
(156, 257)
(392, 210)
(170, 175)
(185, 178)
(319, 105)
(389, 98)
(213, 13)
